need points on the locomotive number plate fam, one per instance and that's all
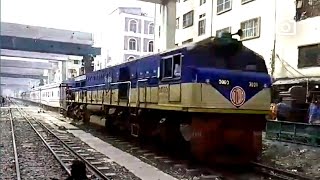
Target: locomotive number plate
(224, 82)
(253, 84)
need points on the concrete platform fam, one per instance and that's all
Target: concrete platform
(133, 164)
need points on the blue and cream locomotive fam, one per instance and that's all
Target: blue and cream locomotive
(211, 96)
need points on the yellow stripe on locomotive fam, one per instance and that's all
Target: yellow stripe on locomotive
(193, 97)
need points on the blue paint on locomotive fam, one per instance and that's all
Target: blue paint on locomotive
(196, 67)
(234, 78)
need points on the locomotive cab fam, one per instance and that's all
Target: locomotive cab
(234, 82)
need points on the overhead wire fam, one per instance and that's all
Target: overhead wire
(286, 63)
(284, 66)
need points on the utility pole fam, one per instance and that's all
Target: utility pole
(273, 57)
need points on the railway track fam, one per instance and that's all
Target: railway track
(65, 150)
(278, 173)
(29, 157)
(16, 160)
(8, 158)
(184, 169)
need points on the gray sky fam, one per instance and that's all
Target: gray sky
(79, 15)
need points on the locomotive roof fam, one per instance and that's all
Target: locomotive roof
(203, 43)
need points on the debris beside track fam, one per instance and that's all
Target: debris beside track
(292, 157)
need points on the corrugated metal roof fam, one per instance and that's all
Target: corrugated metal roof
(296, 80)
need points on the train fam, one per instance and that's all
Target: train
(48, 95)
(210, 97)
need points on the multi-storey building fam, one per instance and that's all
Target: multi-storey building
(72, 66)
(298, 39)
(130, 34)
(272, 28)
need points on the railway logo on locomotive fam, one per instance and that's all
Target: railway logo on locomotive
(237, 96)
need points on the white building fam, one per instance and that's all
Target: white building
(298, 47)
(262, 21)
(129, 34)
(72, 65)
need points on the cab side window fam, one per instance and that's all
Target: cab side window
(167, 68)
(177, 66)
(171, 67)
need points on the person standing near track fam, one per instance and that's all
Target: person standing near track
(283, 111)
(314, 111)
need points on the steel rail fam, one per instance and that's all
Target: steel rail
(47, 145)
(96, 171)
(279, 173)
(14, 147)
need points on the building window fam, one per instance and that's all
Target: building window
(202, 27)
(220, 31)
(131, 58)
(202, 2)
(133, 25)
(177, 23)
(245, 1)
(76, 62)
(307, 9)
(250, 28)
(187, 41)
(202, 15)
(150, 46)
(151, 28)
(188, 19)
(309, 56)
(132, 44)
(223, 6)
